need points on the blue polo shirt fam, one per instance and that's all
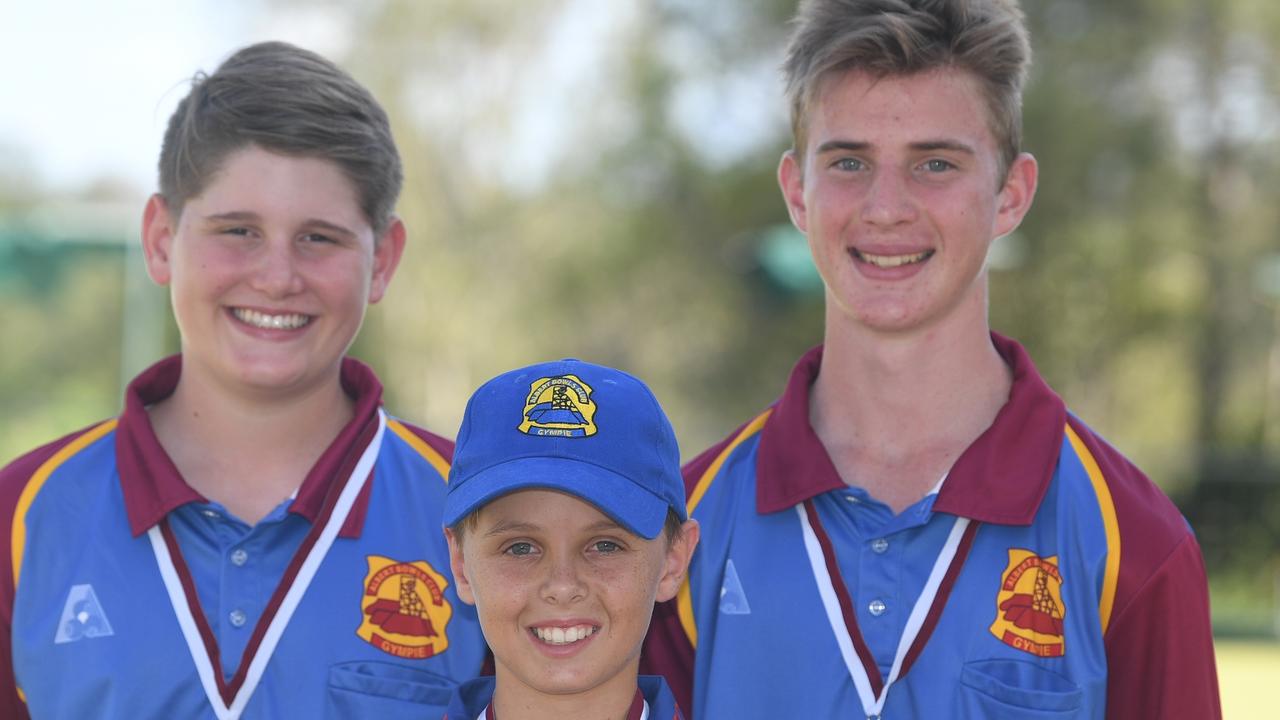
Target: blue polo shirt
(126, 594)
(653, 700)
(1047, 577)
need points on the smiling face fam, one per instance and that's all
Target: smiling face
(900, 195)
(270, 270)
(564, 593)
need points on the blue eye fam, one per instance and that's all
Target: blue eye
(520, 549)
(317, 238)
(848, 164)
(938, 165)
(606, 547)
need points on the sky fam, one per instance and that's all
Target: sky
(88, 86)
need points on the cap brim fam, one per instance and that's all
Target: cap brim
(630, 505)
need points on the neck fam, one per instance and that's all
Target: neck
(247, 453)
(896, 410)
(610, 700)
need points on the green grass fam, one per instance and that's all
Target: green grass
(1248, 672)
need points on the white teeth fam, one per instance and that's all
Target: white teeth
(564, 636)
(892, 261)
(290, 321)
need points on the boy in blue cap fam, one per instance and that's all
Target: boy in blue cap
(566, 521)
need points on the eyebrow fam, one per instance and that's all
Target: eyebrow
(922, 146)
(504, 527)
(509, 526)
(234, 216)
(244, 216)
(846, 145)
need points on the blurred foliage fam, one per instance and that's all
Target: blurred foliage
(597, 180)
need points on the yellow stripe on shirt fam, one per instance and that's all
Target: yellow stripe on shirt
(18, 528)
(684, 598)
(436, 459)
(1108, 510)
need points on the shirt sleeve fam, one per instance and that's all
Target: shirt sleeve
(667, 650)
(13, 479)
(1160, 661)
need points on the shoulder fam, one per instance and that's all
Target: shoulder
(702, 469)
(36, 465)
(1154, 605)
(433, 448)
(1140, 507)
(22, 479)
(1146, 534)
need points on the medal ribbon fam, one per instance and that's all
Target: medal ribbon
(229, 699)
(839, 606)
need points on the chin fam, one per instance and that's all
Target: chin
(567, 682)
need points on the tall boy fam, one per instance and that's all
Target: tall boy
(245, 539)
(566, 522)
(918, 528)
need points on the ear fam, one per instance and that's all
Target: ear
(159, 227)
(676, 565)
(458, 564)
(387, 250)
(1017, 193)
(791, 180)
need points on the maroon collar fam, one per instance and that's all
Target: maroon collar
(1000, 478)
(153, 487)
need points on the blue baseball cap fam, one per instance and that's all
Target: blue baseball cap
(568, 425)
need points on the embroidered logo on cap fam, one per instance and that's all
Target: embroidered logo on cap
(1029, 608)
(559, 406)
(405, 610)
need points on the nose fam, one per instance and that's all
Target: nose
(888, 200)
(276, 269)
(563, 584)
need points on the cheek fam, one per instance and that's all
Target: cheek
(634, 588)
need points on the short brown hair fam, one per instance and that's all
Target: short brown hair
(987, 38)
(286, 100)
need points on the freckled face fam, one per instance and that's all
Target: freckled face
(270, 270)
(899, 193)
(564, 593)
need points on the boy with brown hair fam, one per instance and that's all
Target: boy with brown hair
(918, 527)
(245, 539)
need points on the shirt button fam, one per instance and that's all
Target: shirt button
(239, 557)
(876, 608)
(879, 545)
(237, 618)
(210, 513)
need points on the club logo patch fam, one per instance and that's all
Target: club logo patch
(404, 608)
(1029, 608)
(559, 407)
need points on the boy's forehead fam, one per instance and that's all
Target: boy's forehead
(255, 181)
(929, 105)
(541, 508)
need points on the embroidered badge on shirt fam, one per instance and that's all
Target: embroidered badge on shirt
(733, 601)
(559, 406)
(82, 617)
(1029, 608)
(405, 610)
